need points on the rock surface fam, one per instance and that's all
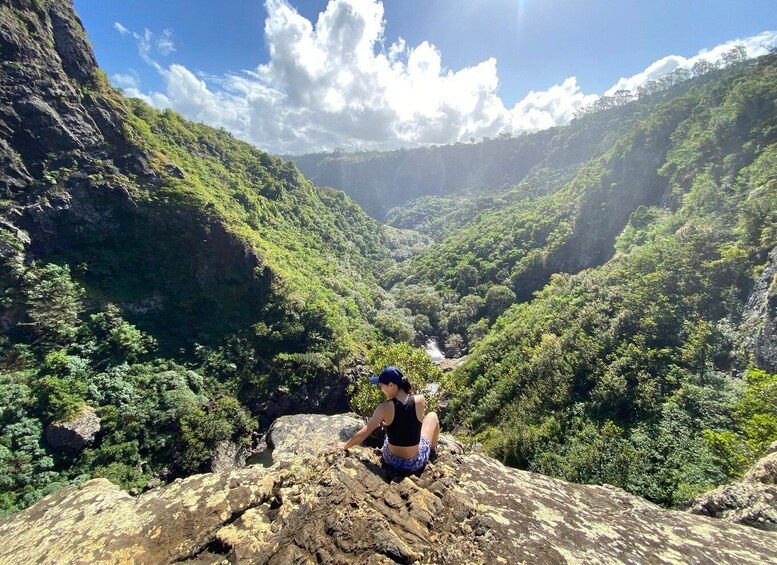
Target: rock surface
(76, 433)
(765, 470)
(345, 508)
(752, 501)
(760, 318)
(309, 434)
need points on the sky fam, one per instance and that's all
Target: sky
(294, 76)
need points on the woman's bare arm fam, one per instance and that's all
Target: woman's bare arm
(380, 414)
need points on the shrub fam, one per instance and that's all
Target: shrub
(414, 363)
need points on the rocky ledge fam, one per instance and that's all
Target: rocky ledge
(346, 508)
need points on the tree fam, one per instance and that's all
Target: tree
(735, 55)
(53, 303)
(702, 66)
(116, 339)
(623, 97)
(467, 277)
(498, 299)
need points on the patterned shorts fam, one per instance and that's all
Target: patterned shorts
(407, 465)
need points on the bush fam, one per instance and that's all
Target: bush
(59, 398)
(414, 363)
(203, 427)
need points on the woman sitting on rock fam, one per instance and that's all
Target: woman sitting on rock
(410, 437)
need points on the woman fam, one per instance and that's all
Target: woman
(410, 437)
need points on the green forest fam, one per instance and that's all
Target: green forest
(598, 279)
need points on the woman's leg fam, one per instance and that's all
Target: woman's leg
(430, 429)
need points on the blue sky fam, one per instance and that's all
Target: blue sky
(294, 76)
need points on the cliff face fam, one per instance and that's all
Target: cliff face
(380, 181)
(76, 190)
(335, 508)
(45, 61)
(760, 318)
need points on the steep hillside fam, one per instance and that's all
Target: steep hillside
(642, 372)
(544, 161)
(510, 242)
(156, 211)
(178, 282)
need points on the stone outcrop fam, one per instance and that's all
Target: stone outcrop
(75, 433)
(308, 434)
(765, 469)
(751, 501)
(332, 507)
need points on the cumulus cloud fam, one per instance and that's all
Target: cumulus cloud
(555, 106)
(754, 45)
(338, 82)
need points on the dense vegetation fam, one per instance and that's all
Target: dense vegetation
(632, 373)
(181, 280)
(596, 273)
(240, 278)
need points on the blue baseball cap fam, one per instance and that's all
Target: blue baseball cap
(388, 375)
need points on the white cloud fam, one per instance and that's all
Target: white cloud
(125, 80)
(334, 83)
(150, 45)
(338, 83)
(755, 46)
(555, 106)
(120, 28)
(165, 44)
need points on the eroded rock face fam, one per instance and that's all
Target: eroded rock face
(752, 501)
(325, 395)
(760, 318)
(346, 508)
(76, 433)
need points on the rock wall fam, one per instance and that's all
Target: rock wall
(760, 318)
(83, 194)
(330, 507)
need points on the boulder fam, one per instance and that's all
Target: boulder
(765, 470)
(75, 433)
(336, 507)
(309, 434)
(751, 501)
(448, 365)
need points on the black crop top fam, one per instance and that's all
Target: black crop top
(405, 429)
